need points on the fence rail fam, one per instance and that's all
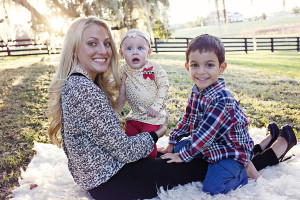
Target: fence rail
(31, 47)
(26, 47)
(233, 44)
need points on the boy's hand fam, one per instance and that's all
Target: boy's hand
(173, 158)
(168, 149)
(152, 113)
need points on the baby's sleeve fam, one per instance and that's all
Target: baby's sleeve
(162, 83)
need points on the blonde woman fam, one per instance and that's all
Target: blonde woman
(82, 114)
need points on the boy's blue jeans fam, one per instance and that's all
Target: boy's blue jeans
(223, 176)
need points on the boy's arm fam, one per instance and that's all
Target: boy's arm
(162, 83)
(216, 122)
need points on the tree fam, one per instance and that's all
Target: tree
(296, 10)
(160, 31)
(120, 14)
(218, 12)
(264, 16)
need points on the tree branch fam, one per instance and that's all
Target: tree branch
(69, 12)
(35, 13)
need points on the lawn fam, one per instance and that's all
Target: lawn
(265, 28)
(265, 84)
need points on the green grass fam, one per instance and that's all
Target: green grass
(23, 99)
(266, 85)
(242, 29)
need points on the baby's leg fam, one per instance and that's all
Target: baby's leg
(132, 127)
(148, 128)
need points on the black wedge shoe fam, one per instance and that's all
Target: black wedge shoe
(288, 134)
(274, 131)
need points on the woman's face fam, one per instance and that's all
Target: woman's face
(95, 51)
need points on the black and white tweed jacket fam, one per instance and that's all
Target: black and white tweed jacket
(95, 146)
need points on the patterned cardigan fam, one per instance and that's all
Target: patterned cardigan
(95, 146)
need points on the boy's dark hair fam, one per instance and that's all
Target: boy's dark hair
(206, 43)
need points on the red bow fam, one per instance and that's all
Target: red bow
(148, 73)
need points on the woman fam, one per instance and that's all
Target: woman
(101, 158)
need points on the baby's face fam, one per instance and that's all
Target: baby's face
(135, 50)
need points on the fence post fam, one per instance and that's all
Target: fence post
(155, 43)
(187, 42)
(7, 48)
(48, 48)
(272, 44)
(246, 47)
(297, 43)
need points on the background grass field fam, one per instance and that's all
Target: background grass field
(266, 85)
(280, 27)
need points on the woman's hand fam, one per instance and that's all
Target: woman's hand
(122, 94)
(173, 158)
(168, 149)
(163, 128)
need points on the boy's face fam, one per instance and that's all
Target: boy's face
(135, 50)
(204, 68)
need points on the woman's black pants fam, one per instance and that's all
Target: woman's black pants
(143, 178)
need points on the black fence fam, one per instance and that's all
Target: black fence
(233, 44)
(31, 47)
(26, 47)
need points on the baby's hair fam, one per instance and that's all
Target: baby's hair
(132, 33)
(206, 43)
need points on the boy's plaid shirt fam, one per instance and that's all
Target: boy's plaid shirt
(217, 127)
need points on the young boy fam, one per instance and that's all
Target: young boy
(216, 126)
(146, 84)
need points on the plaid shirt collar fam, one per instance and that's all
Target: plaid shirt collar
(212, 89)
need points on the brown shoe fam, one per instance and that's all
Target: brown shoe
(288, 134)
(274, 131)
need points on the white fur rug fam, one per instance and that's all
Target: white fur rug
(47, 177)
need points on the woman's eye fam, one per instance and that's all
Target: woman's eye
(107, 44)
(92, 44)
(194, 65)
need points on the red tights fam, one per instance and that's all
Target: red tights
(135, 127)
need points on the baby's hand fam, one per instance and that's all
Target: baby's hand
(173, 158)
(152, 113)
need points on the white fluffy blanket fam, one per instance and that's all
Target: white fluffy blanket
(47, 177)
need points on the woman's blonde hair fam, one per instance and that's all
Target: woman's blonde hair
(108, 81)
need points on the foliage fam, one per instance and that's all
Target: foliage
(119, 14)
(296, 10)
(265, 84)
(161, 31)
